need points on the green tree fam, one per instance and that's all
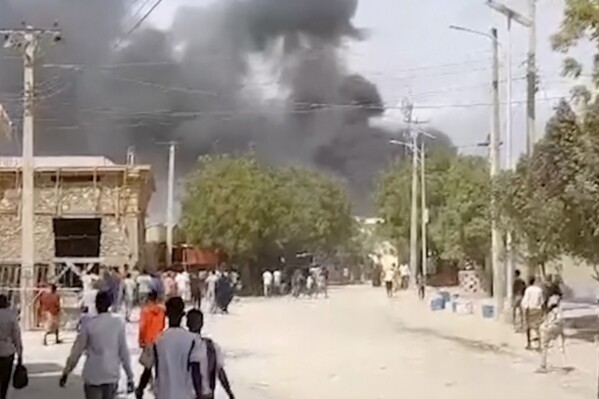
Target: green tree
(462, 226)
(313, 211)
(458, 199)
(580, 21)
(228, 206)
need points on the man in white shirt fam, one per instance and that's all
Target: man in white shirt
(278, 281)
(267, 282)
(389, 276)
(177, 358)
(183, 285)
(104, 342)
(404, 273)
(532, 304)
(211, 290)
(212, 364)
(144, 287)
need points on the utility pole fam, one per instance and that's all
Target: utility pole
(513, 15)
(498, 267)
(170, 203)
(408, 107)
(531, 79)
(424, 211)
(509, 253)
(26, 40)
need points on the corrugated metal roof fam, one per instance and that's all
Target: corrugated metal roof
(59, 162)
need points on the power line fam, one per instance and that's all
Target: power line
(138, 24)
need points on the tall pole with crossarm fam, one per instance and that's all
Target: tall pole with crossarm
(27, 40)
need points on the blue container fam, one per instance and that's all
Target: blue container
(445, 295)
(488, 311)
(437, 304)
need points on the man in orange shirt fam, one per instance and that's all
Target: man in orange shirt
(50, 307)
(151, 325)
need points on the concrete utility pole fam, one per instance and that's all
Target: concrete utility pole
(170, 224)
(531, 79)
(408, 107)
(511, 15)
(498, 266)
(27, 40)
(424, 211)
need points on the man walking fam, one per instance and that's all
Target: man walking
(389, 277)
(518, 289)
(278, 282)
(267, 282)
(129, 288)
(151, 324)
(532, 303)
(50, 306)
(213, 365)
(103, 340)
(177, 357)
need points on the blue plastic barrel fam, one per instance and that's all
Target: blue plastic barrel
(437, 304)
(445, 295)
(488, 311)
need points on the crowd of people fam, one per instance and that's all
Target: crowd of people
(310, 282)
(181, 363)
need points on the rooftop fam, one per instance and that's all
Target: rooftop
(59, 162)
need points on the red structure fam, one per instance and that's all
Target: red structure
(192, 258)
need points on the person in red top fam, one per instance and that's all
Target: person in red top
(151, 325)
(50, 308)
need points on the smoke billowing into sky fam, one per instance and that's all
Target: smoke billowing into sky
(233, 75)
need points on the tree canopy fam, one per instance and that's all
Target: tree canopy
(246, 209)
(458, 197)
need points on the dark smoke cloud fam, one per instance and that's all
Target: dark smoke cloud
(196, 83)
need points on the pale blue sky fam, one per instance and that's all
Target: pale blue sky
(411, 51)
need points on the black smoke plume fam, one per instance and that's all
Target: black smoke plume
(227, 76)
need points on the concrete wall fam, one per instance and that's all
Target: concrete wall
(118, 206)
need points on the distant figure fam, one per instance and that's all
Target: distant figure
(224, 292)
(182, 281)
(297, 283)
(129, 287)
(310, 284)
(170, 287)
(267, 282)
(89, 280)
(105, 345)
(144, 287)
(88, 299)
(157, 285)
(278, 282)
(404, 275)
(421, 284)
(212, 357)
(532, 303)
(211, 290)
(50, 305)
(389, 277)
(322, 281)
(151, 324)
(552, 288)
(11, 344)
(518, 289)
(552, 328)
(195, 286)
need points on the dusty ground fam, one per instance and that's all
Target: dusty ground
(355, 345)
